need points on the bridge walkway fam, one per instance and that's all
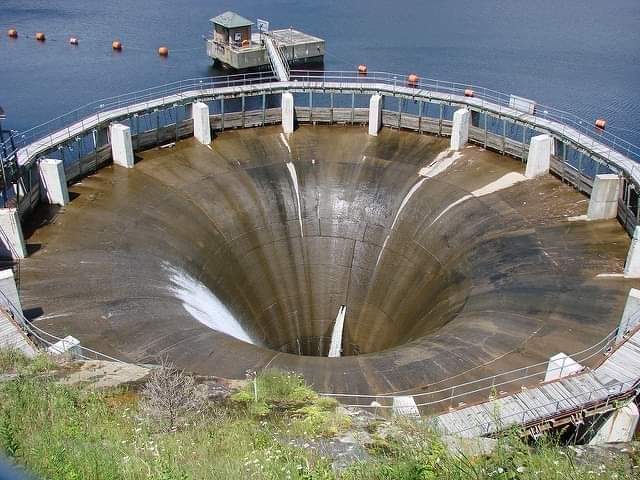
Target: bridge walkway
(616, 378)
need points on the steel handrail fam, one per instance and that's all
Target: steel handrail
(482, 93)
(38, 333)
(602, 346)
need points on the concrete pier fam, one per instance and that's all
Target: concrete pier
(11, 238)
(603, 203)
(121, 147)
(460, 128)
(561, 365)
(68, 345)
(619, 427)
(287, 113)
(201, 125)
(539, 157)
(630, 315)
(11, 333)
(632, 265)
(53, 182)
(375, 114)
(405, 406)
(9, 297)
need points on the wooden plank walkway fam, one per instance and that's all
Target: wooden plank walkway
(618, 375)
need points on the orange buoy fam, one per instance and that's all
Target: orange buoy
(116, 45)
(40, 36)
(163, 51)
(362, 69)
(469, 93)
(412, 80)
(73, 41)
(601, 123)
(246, 43)
(12, 33)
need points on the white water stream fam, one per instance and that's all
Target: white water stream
(335, 350)
(203, 305)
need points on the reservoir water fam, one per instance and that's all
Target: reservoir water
(578, 55)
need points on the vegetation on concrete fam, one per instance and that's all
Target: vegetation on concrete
(263, 431)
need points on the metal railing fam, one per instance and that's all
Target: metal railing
(482, 94)
(40, 132)
(442, 398)
(46, 339)
(522, 417)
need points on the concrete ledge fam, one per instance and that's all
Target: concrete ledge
(603, 203)
(53, 182)
(405, 406)
(375, 114)
(631, 314)
(460, 128)
(11, 238)
(68, 345)
(632, 265)
(201, 125)
(561, 365)
(121, 147)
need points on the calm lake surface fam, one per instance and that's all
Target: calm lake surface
(579, 55)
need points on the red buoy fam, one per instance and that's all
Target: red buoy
(362, 69)
(40, 36)
(412, 80)
(601, 123)
(116, 45)
(469, 93)
(163, 51)
(73, 41)
(12, 33)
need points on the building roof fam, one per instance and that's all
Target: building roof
(231, 20)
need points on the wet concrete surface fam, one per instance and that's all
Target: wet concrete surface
(440, 285)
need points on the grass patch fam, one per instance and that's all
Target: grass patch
(67, 432)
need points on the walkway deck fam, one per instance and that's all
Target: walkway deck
(617, 377)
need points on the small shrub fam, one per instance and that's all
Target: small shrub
(169, 395)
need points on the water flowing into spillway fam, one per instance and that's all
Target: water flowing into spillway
(336, 337)
(203, 305)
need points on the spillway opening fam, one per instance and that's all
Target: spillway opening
(316, 347)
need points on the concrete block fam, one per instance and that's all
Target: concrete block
(460, 128)
(619, 427)
(405, 406)
(201, 125)
(539, 157)
(603, 203)
(287, 112)
(9, 297)
(53, 182)
(630, 315)
(121, 147)
(632, 265)
(68, 345)
(561, 365)
(375, 114)
(11, 239)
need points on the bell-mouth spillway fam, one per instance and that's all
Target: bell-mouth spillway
(451, 264)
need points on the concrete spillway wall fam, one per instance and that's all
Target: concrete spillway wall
(247, 101)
